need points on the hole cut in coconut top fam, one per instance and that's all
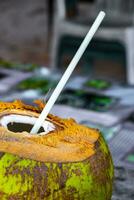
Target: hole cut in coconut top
(21, 123)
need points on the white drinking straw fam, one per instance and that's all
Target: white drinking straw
(67, 73)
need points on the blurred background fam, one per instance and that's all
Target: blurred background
(38, 39)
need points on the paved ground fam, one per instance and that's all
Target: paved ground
(123, 184)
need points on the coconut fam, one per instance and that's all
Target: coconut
(65, 160)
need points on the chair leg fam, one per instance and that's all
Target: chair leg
(54, 46)
(129, 42)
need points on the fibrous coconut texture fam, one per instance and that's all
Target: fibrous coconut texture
(64, 161)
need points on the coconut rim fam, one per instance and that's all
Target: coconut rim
(18, 116)
(25, 119)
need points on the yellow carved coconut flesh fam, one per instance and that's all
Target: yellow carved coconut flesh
(64, 160)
